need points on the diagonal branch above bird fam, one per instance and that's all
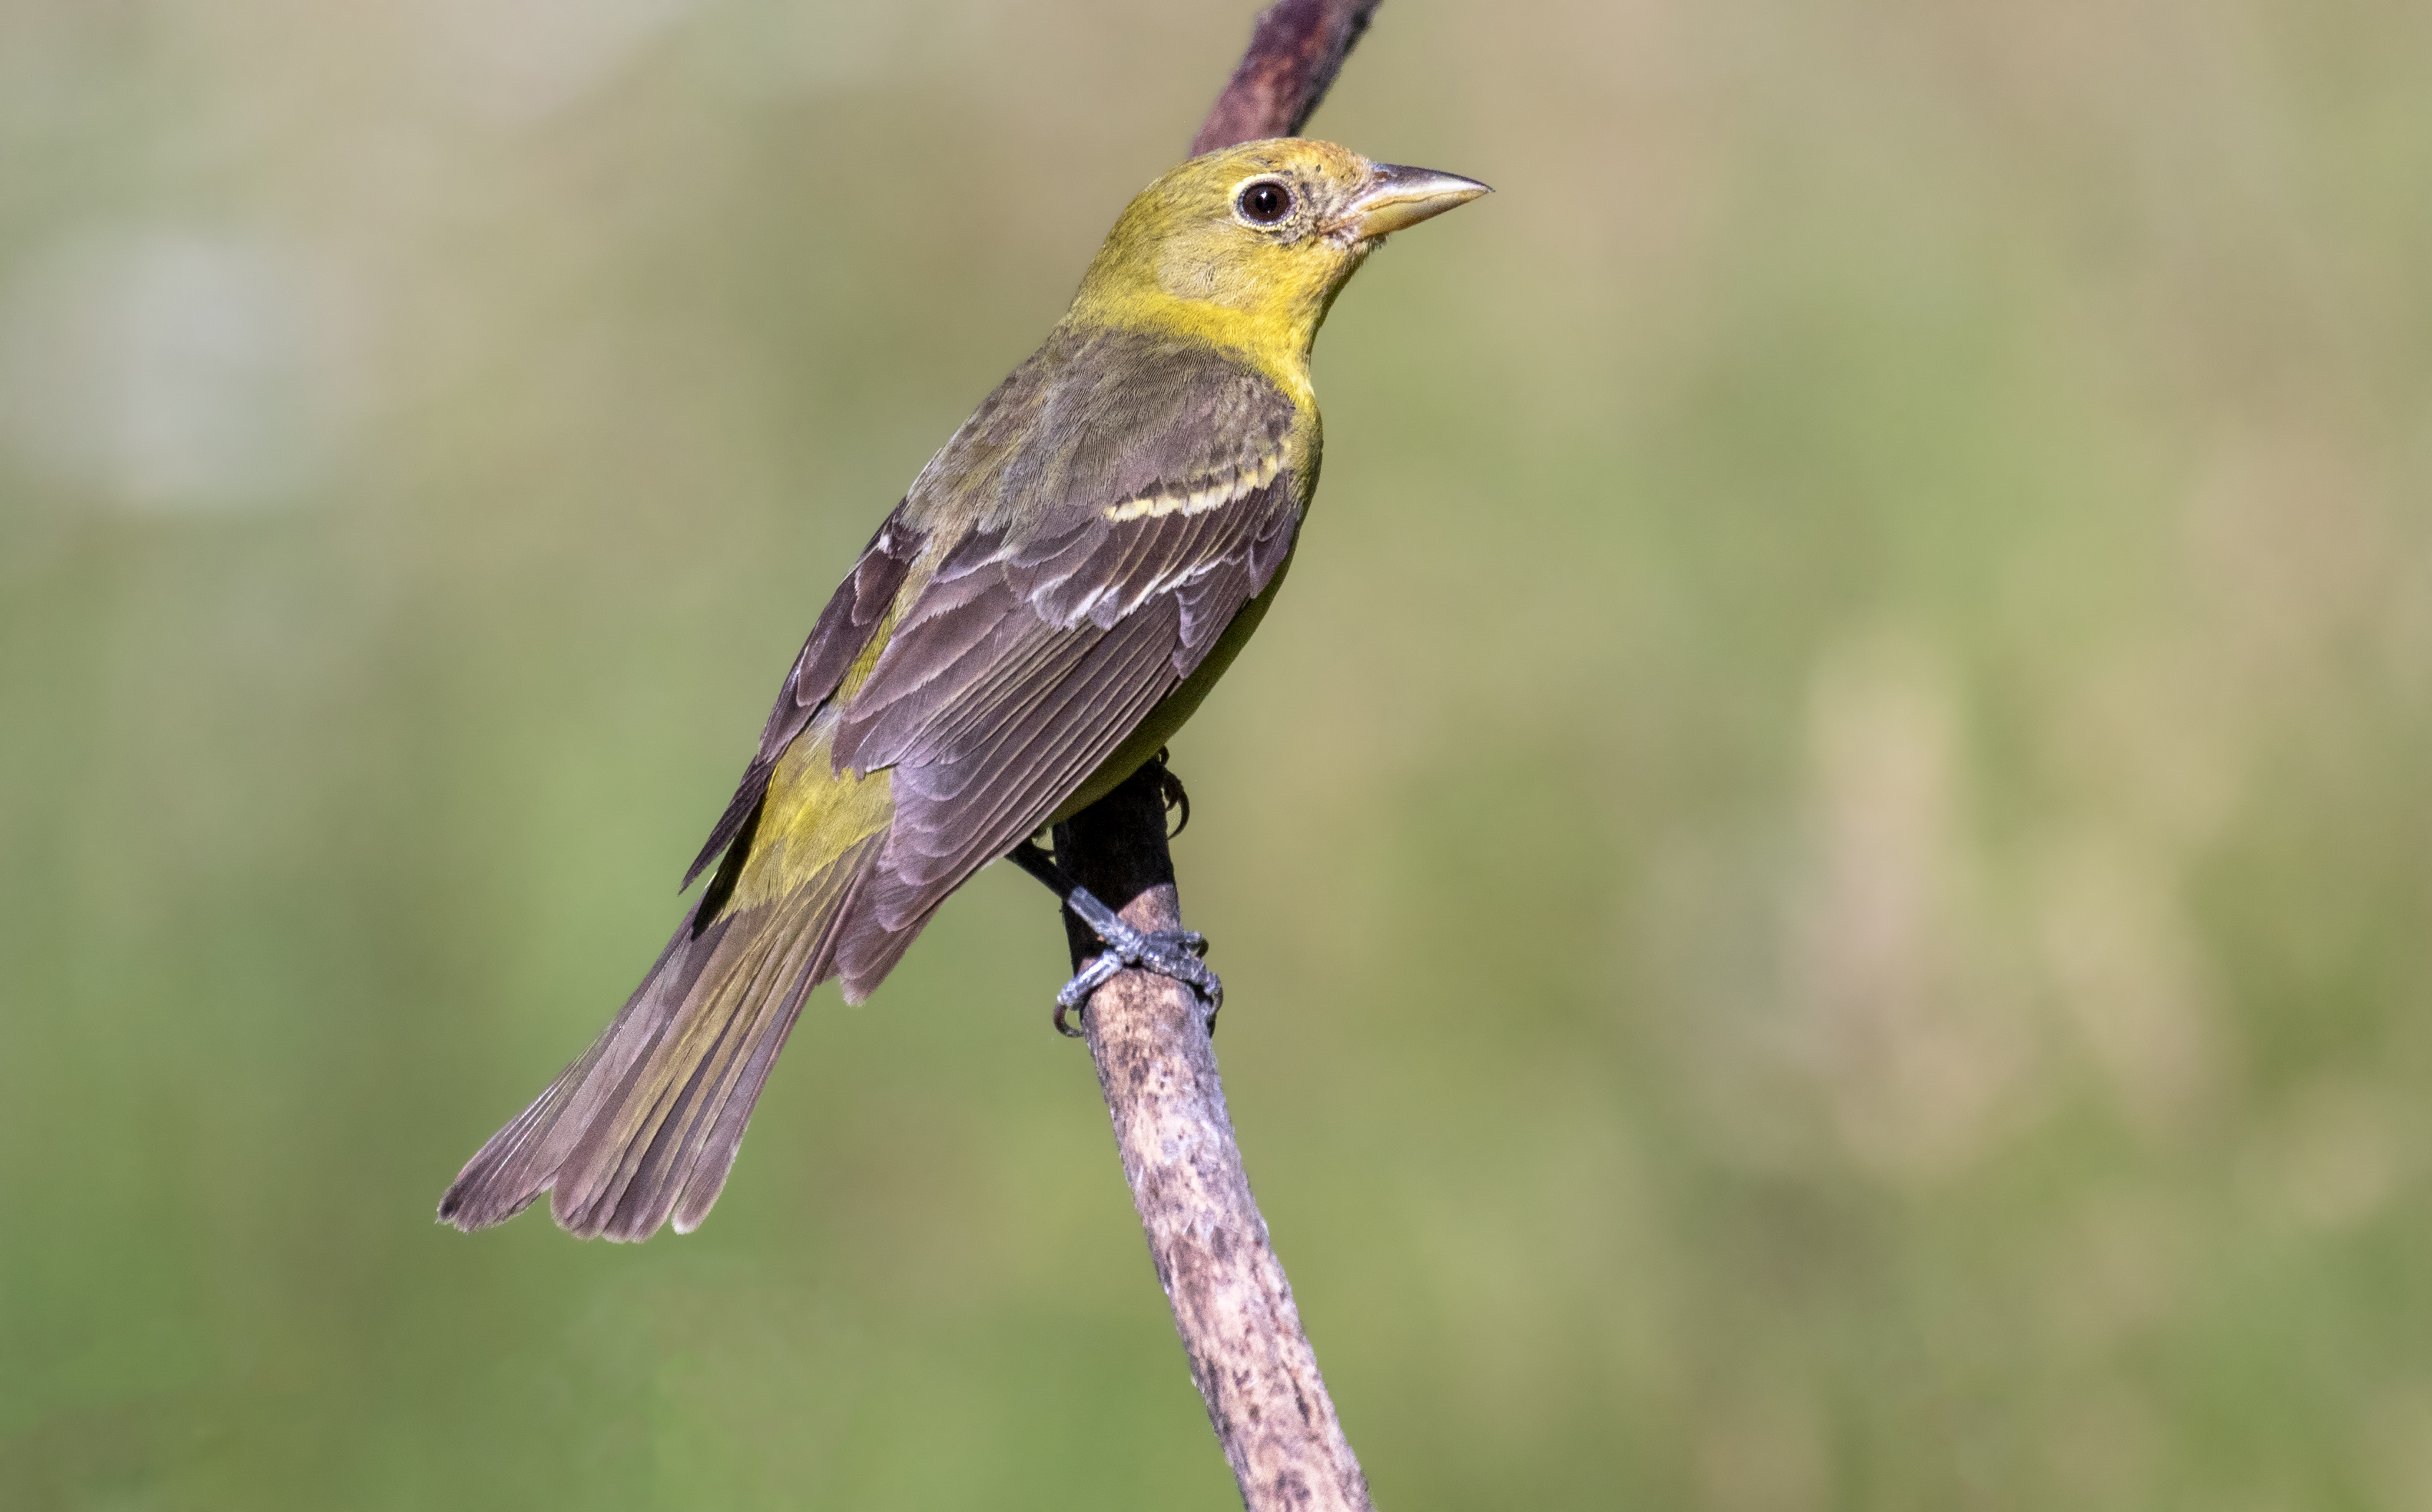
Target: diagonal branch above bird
(1057, 593)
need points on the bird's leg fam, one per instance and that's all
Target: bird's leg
(1175, 953)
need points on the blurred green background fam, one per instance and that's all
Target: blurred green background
(1825, 872)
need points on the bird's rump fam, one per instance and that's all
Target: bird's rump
(855, 617)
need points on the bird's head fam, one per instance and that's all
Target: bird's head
(1247, 246)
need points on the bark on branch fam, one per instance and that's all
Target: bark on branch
(1157, 1069)
(1295, 52)
(1148, 1035)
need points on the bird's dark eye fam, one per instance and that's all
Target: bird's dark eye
(1264, 202)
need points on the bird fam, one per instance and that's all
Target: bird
(1052, 598)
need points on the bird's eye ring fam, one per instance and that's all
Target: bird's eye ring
(1264, 202)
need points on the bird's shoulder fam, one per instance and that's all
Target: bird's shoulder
(1115, 423)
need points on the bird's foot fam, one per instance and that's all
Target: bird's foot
(1175, 953)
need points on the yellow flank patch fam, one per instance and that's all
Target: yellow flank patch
(1209, 494)
(815, 816)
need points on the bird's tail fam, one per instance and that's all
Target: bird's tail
(644, 1126)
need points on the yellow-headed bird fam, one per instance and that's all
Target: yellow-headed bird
(1061, 586)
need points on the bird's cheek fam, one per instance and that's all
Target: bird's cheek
(1186, 276)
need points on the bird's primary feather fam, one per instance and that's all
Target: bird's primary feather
(1052, 598)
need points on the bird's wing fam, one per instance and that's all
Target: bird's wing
(1166, 498)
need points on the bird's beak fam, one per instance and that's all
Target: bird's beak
(1398, 196)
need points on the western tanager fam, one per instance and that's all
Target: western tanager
(1054, 596)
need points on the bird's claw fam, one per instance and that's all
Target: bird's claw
(1175, 953)
(1170, 789)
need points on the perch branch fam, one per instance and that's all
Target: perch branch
(1295, 50)
(1148, 1034)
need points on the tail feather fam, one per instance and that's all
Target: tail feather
(601, 1174)
(644, 1126)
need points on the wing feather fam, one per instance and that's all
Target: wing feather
(1094, 624)
(842, 632)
